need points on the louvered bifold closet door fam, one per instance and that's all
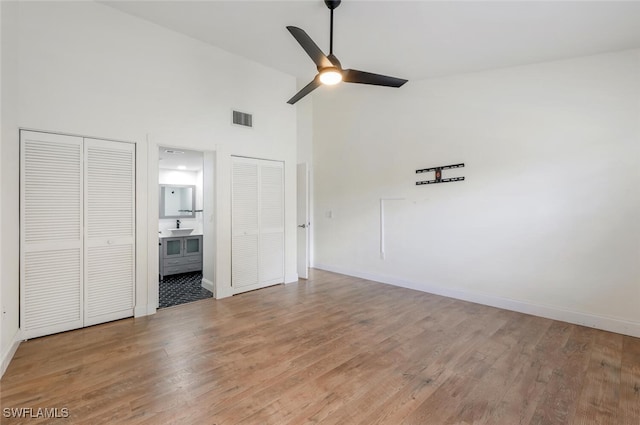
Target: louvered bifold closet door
(51, 291)
(110, 230)
(257, 222)
(271, 266)
(244, 225)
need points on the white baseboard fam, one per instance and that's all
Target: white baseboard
(291, 278)
(550, 312)
(8, 354)
(144, 310)
(207, 284)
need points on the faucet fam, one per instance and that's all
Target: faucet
(177, 224)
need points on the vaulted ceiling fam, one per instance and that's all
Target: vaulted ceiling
(410, 39)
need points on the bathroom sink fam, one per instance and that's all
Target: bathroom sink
(181, 232)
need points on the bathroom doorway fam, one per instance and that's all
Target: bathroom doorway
(181, 227)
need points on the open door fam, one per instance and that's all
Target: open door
(303, 221)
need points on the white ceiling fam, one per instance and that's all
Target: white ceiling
(190, 160)
(407, 39)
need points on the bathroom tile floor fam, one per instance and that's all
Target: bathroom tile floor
(182, 288)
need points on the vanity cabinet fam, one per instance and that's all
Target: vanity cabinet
(180, 254)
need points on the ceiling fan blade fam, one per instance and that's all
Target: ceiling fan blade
(305, 90)
(310, 47)
(361, 77)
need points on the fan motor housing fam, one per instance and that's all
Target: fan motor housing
(332, 4)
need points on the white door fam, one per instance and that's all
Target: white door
(109, 205)
(271, 208)
(257, 224)
(51, 234)
(303, 220)
(77, 233)
(244, 225)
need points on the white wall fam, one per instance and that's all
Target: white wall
(304, 112)
(9, 169)
(184, 177)
(547, 220)
(304, 127)
(2, 356)
(87, 69)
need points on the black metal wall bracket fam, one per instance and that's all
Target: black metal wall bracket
(438, 174)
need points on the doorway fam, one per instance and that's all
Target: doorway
(181, 227)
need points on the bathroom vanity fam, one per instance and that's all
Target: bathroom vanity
(180, 254)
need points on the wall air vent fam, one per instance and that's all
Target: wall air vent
(243, 119)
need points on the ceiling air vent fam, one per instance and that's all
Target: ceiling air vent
(243, 119)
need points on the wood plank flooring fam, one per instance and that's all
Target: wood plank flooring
(331, 350)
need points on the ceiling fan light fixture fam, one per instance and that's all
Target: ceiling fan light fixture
(329, 67)
(330, 76)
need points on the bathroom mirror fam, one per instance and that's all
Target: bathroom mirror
(177, 201)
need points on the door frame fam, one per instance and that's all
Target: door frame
(153, 219)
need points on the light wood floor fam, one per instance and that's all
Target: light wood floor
(331, 350)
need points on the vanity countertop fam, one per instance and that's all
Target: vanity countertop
(165, 235)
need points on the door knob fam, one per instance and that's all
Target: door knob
(304, 226)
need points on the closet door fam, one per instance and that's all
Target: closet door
(257, 221)
(244, 225)
(271, 265)
(51, 234)
(109, 205)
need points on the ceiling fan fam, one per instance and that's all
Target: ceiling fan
(329, 68)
